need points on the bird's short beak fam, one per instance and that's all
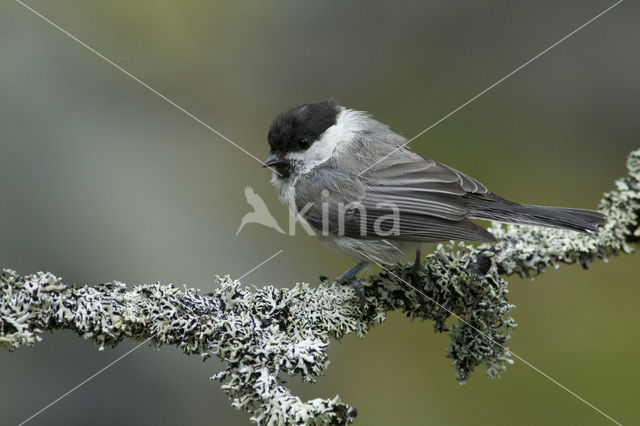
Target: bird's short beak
(273, 161)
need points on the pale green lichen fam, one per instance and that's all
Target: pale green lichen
(262, 332)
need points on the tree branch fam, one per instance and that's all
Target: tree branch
(261, 332)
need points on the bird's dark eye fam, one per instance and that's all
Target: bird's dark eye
(305, 143)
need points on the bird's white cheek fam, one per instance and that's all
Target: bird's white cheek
(335, 138)
(319, 153)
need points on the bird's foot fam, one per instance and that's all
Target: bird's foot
(357, 286)
(417, 267)
(416, 279)
(349, 277)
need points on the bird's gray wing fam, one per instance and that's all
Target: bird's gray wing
(412, 169)
(422, 200)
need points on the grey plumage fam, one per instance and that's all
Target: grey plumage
(433, 202)
(555, 217)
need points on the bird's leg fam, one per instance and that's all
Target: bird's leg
(415, 271)
(417, 265)
(350, 273)
(350, 276)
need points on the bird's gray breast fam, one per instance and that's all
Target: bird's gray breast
(325, 196)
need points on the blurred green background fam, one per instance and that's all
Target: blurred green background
(100, 180)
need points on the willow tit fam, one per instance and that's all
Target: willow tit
(350, 178)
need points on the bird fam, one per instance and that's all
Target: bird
(260, 213)
(370, 197)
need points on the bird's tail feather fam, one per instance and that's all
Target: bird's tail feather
(555, 217)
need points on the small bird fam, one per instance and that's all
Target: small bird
(371, 198)
(260, 213)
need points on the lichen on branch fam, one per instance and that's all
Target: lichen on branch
(261, 332)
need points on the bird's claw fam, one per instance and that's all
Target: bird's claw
(357, 286)
(359, 289)
(349, 277)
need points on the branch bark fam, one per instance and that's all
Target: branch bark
(261, 332)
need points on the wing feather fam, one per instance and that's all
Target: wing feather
(427, 200)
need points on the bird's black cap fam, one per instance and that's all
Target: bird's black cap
(297, 128)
